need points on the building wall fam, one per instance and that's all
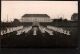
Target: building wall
(38, 19)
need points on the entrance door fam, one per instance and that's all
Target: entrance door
(35, 23)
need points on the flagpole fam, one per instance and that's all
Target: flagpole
(7, 17)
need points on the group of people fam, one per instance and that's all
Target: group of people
(25, 29)
(60, 30)
(10, 29)
(44, 29)
(21, 29)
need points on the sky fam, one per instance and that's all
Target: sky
(15, 9)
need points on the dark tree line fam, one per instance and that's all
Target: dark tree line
(16, 20)
(60, 20)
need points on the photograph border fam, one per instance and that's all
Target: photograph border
(44, 50)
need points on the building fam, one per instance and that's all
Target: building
(36, 18)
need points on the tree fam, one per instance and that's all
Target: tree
(54, 20)
(74, 17)
(57, 20)
(60, 20)
(16, 20)
(65, 20)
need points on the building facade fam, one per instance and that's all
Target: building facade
(36, 18)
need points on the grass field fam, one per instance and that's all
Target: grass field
(42, 40)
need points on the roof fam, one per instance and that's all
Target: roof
(35, 15)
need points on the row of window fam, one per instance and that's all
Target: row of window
(35, 19)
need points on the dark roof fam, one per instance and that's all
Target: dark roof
(35, 15)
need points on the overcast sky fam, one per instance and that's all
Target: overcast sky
(15, 9)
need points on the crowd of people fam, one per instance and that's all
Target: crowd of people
(44, 29)
(60, 30)
(10, 29)
(25, 30)
(37, 36)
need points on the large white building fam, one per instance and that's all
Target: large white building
(36, 18)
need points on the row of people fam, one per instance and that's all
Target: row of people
(49, 31)
(10, 29)
(25, 29)
(44, 29)
(35, 29)
(60, 30)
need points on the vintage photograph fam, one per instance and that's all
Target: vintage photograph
(40, 24)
